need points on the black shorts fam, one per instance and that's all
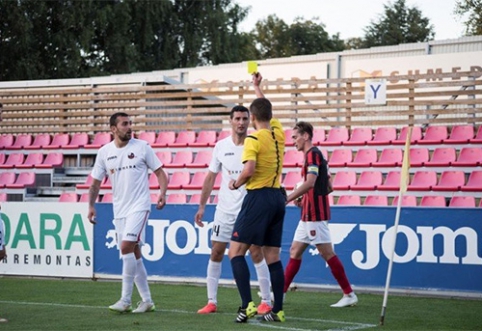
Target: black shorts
(260, 221)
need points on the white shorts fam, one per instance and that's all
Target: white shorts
(313, 233)
(131, 228)
(222, 226)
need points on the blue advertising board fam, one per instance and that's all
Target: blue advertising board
(436, 248)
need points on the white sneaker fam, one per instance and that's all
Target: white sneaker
(347, 300)
(144, 307)
(121, 307)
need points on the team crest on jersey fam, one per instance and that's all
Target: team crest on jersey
(131, 155)
(312, 233)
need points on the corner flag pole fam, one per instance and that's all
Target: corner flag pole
(403, 188)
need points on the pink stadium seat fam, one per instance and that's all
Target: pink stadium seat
(215, 199)
(462, 202)
(407, 201)
(460, 134)
(418, 156)
(402, 137)
(180, 159)
(204, 139)
(164, 156)
(154, 197)
(349, 200)
(201, 160)
(196, 199)
(223, 134)
(217, 181)
(40, 141)
(148, 136)
(423, 181)
(389, 157)
(359, 137)
(106, 184)
(68, 197)
(469, 157)
(343, 180)
(107, 197)
(86, 184)
(340, 158)
(84, 197)
(433, 201)
(164, 139)
(7, 178)
(59, 141)
(383, 136)
(291, 179)
(376, 200)
(184, 139)
(52, 160)
(78, 140)
(24, 179)
(442, 157)
(288, 139)
(318, 136)
(3, 197)
(391, 183)
(6, 140)
(3, 157)
(478, 137)
(197, 181)
(474, 183)
(293, 158)
(13, 160)
(364, 158)
(100, 139)
(178, 179)
(434, 135)
(153, 182)
(450, 181)
(176, 198)
(21, 142)
(336, 137)
(368, 180)
(31, 160)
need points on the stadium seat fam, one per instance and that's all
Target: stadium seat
(178, 179)
(100, 139)
(376, 200)
(106, 183)
(52, 160)
(196, 199)
(3, 157)
(204, 139)
(217, 181)
(84, 197)
(164, 156)
(24, 179)
(343, 180)
(180, 159)
(153, 182)
(176, 198)
(293, 158)
(31, 160)
(442, 157)
(433, 201)
(364, 158)
(78, 140)
(423, 181)
(407, 201)
(13, 160)
(383, 136)
(340, 158)
(86, 184)
(460, 134)
(434, 135)
(164, 139)
(336, 137)
(7, 178)
(392, 182)
(368, 180)
(349, 200)
(6, 140)
(154, 197)
(288, 140)
(478, 137)
(148, 136)
(197, 181)
(462, 202)
(223, 134)
(40, 141)
(3, 197)
(107, 197)
(291, 179)
(202, 159)
(359, 137)
(418, 156)
(402, 137)
(469, 157)
(21, 141)
(389, 157)
(450, 181)
(184, 139)
(215, 199)
(318, 136)
(68, 197)
(474, 183)
(59, 141)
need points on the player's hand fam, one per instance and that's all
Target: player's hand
(198, 218)
(161, 201)
(257, 78)
(91, 215)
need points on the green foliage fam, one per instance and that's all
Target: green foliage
(472, 8)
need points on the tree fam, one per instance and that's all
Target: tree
(399, 25)
(473, 8)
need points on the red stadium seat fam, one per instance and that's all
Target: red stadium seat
(86, 184)
(217, 181)
(3, 157)
(153, 182)
(318, 136)
(31, 160)
(418, 157)
(84, 197)
(201, 160)
(462, 202)
(474, 183)
(197, 181)
(359, 137)
(68, 197)
(383, 136)
(368, 180)
(460, 134)
(469, 157)
(3, 197)
(442, 157)
(24, 179)
(389, 157)
(21, 141)
(154, 197)
(433, 201)
(343, 180)
(40, 141)
(434, 135)
(204, 139)
(13, 160)
(364, 158)
(6, 140)
(349, 200)
(423, 181)
(450, 181)
(78, 140)
(340, 158)
(107, 197)
(52, 160)
(392, 182)
(407, 201)
(59, 141)
(196, 199)
(293, 158)
(478, 137)
(288, 140)
(376, 200)
(180, 159)
(184, 139)
(100, 139)
(149, 136)
(7, 178)
(164, 156)
(336, 137)
(402, 137)
(176, 198)
(291, 179)
(223, 134)
(178, 179)
(106, 184)
(164, 139)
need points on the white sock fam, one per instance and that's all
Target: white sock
(213, 275)
(129, 266)
(141, 281)
(262, 272)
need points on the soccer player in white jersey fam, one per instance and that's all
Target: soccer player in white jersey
(3, 251)
(227, 159)
(126, 161)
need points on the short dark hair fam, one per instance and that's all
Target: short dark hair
(304, 127)
(113, 118)
(236, 109)
(262, 109)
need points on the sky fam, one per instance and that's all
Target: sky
(350, 17)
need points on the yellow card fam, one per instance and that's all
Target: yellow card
(252, 67)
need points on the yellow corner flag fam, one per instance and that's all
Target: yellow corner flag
(406, 163)
(252, 67)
